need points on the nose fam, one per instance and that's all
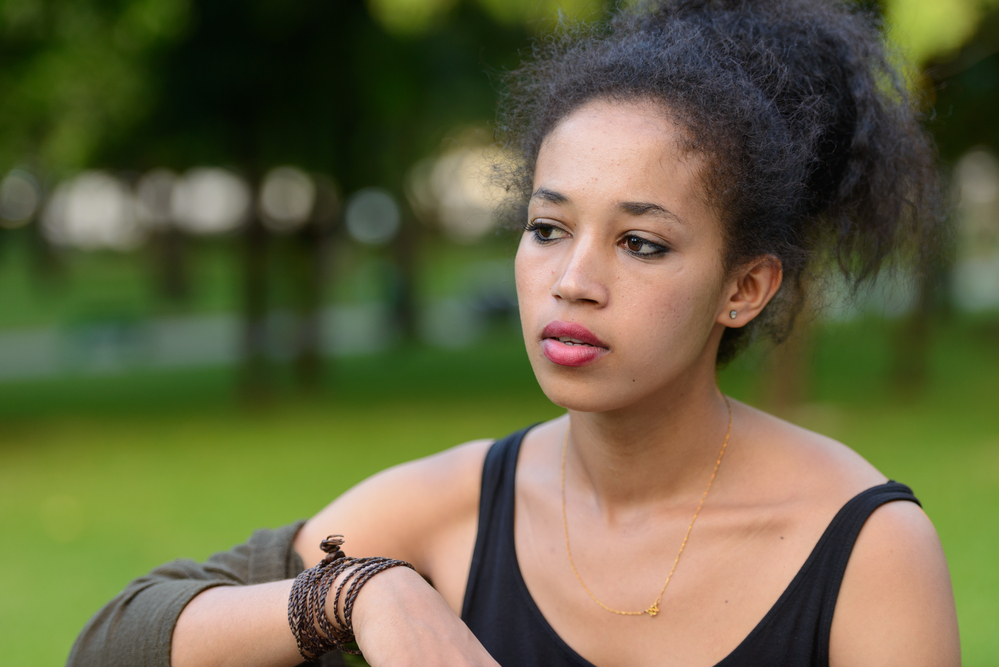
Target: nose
(579, 279)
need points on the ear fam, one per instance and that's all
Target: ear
(750, 289)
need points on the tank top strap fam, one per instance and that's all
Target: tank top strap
(498, 608)
(834, 548)
(490, 557)
(797, 628)
(832, 553)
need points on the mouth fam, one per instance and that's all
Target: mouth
(571, 341)
(571, 344)
(571, 333)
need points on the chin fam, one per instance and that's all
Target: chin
(611, 387)
(581, 390)
(593, 397)
(577, 403)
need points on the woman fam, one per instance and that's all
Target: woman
(687, 174)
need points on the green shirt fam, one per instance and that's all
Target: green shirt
(136, 627)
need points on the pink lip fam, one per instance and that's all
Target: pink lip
(571, 355)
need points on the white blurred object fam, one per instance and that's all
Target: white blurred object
(419, 192)
(210, 200)
(373, 216)
(976, 284)
(976, 272)
(287, 198)
(450, 323)
(153, 198)
(977, 176)
(458, 190)
(94, 210)
(19, 198)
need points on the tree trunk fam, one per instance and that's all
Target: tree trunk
(310, 260)
(256, 376)
(403, 281)
(789, 377)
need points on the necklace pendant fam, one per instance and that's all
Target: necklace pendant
(653, 610)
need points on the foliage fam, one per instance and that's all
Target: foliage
(76, 74)
(927, 30)
(966, 93)
(357, 90)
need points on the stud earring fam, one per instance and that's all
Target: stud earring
(733, 314)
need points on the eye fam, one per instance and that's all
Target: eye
(636, 245)
(544, 232)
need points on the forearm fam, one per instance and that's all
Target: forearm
(248, 625)
(137, 627)
(236, 625)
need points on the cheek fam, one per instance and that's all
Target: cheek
(675, 316)
(529, 275)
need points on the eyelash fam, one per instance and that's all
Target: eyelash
(659, 251)
(534, 227)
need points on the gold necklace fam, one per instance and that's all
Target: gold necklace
(654, 607)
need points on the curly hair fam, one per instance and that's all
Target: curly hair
(817, 156)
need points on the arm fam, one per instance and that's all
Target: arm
(421, 512)
(136, 626)
(399, 619)
(896, 605)
(187, 614)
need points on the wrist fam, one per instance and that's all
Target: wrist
(387, 589)
(321, 623)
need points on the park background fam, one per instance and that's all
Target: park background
(247, 259)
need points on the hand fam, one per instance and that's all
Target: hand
(400, 620)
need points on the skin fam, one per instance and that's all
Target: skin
(623, 242)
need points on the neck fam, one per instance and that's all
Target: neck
(659, 451)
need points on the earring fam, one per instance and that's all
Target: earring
(733, 314)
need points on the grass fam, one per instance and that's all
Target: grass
(102, 479)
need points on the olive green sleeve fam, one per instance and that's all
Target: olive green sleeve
(136, 627)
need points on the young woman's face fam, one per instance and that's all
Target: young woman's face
(620, 275)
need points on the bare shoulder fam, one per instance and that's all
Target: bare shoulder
(401, 511)
(896, 604)
(798, 465)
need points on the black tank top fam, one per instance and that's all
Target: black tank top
(501, 613)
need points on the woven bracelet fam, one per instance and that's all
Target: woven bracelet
(315, 633)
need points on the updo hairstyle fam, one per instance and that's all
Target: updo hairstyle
(815, 149)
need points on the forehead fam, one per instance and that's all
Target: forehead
(619, 150)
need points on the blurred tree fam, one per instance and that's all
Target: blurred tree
(928, 30)
(965, 88)
(325, 86)
(76, 74)
(956, 46)
(953, 48)
(357, 90)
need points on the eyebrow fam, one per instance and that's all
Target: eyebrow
(635, 208)
(550, 196)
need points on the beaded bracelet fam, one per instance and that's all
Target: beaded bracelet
(314, 632)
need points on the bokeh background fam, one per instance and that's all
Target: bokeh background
(247, 259)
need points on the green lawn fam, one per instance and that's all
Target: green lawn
(102, 479)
